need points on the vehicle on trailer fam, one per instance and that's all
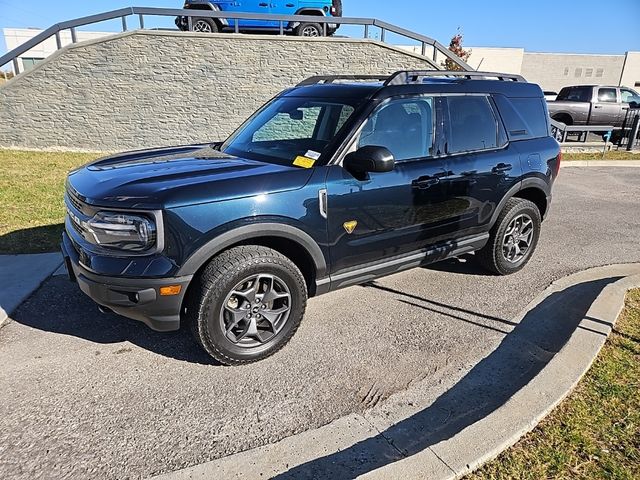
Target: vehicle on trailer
(333, 183)
(316, 8)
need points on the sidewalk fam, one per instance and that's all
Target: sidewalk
(21, 275)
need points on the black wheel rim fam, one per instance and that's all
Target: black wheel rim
(256, 310)
(518, 238)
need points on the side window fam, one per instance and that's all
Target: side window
(607, 95)
(472, 124)
(404, 126)
(296, 125)
(629, 96)
(533, 112)
(575, 94)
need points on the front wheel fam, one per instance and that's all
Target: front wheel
(513, 238)
(204, 25)
(247, 304)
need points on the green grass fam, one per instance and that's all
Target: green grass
(595, 433)
(612, 155)
(31, 192)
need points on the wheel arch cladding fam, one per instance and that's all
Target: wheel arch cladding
(533, 189)
(290, 241)
(536, 196)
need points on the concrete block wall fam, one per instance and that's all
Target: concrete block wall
(149, 88)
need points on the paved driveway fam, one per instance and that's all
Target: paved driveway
(92, 395)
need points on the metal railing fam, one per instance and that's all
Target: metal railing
(234, 19)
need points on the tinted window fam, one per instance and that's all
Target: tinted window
(575, 94)
(607, 95)
(405, 127)
(533, 113)
(472, 125)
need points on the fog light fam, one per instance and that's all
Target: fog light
(170, 290)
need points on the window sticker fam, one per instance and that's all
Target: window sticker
(312, 154)
(304, 162)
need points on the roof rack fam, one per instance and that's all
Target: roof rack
(405, 77)
(332, 78)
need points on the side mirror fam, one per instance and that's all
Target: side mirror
(370, 159)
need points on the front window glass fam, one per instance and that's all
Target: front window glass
(405, 127)
(288, 128)
(629, 96)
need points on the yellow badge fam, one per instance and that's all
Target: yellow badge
(350, 226)
(304, 162)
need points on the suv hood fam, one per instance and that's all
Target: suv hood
(173, 177)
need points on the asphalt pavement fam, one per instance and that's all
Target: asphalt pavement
(92, 395)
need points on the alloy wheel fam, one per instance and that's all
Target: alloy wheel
(255, 310)
(518, 238)
(201, 26)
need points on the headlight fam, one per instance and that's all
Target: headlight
(123, 231)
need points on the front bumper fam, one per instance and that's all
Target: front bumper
(135, 298)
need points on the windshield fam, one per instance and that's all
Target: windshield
(290, 131)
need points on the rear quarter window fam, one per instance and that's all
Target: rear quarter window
(523, 118)
(575, 94)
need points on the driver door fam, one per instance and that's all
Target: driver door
(394, 213)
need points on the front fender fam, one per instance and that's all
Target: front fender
(255, 230)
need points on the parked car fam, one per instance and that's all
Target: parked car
(550, 96)
(326, 186)
(593, 105)
(318, 8)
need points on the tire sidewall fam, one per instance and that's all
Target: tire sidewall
(302, 26)
(212, 304)
(503, 264)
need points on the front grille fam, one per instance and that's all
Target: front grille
(75, 201)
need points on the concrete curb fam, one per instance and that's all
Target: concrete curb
(600, 163)
(20, 276)
(349, 445)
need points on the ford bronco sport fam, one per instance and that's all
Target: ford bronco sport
(317, 8)
(333, 183)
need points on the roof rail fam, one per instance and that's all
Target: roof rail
(404, 77)
(332, 78)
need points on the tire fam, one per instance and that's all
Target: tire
(219, 318)
(309, 30)
(204, 25)
(495, 255)
(337, 4)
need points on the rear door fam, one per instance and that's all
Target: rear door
(248, 6)
(481, 166)
(606, 107)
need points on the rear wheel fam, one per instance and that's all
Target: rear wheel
(247, 304)
(309, 30)
(513, 239)
(204, 25)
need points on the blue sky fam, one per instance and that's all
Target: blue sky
(580, 26)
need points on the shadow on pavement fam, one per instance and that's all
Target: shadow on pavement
(523, 353)
(463, 264)
(42, 239)
(60, 307)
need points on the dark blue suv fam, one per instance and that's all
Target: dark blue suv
(333, 183)
(317, 8)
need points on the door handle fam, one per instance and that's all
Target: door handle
(290, 5)
(597, 106)
(425, 182)
(502, 167)
(263, 4)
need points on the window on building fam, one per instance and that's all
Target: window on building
(588, 72)
(29, 62)
(472, 126)
(578, 72)
(566, 71)
(607, 95)
(599, 72)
